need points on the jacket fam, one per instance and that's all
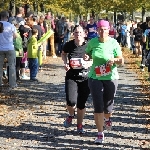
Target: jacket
(32, 48)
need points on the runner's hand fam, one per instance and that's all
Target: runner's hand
(67, 67)
(86, 57)
(111, 62)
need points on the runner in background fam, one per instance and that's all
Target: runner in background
(91, 29)
(112, 31)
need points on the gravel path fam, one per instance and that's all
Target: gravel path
(32, 117)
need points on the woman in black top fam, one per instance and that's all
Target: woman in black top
(138, 33)
(76, 83)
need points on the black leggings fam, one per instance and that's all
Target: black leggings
(18, 64)
(76, 93)
(103, 92)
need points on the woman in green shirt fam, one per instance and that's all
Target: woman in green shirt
(103, 76)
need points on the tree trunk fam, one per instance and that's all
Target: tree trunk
(115, 18)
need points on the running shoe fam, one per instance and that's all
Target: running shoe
(108, 125)
(142, 67)
(68, 121)
(80, 129)
(99, 139)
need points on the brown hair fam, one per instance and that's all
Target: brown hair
(34, 31)
(1, 27)
(29, 21)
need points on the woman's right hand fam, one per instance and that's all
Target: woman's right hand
(66, 67)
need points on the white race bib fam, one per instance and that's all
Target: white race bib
(76, 63)
(102, 70)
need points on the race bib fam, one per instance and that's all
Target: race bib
(91, 29)
(102, 70)
(76, 63)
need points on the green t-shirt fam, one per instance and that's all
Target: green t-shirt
(101, 53)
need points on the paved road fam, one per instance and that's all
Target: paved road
(32, 118)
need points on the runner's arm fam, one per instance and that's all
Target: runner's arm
(64, 57)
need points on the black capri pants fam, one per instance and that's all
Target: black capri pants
(103, 93)
(77, 92)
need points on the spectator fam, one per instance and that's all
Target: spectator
(19, 17)
(68, 34)
(19, 50)
(146, 51)
(43, 26)
(123, 31)
(138, 33)
(25, 33)
(33, 55)
(7, 35)
(61, 29)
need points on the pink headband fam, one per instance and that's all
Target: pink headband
(103, 23)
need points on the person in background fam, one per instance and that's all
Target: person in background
(76, 83)
(103, 76)
(123, 31)
(42, 23)
(145, 49)
(32, 52)
(20, 16)
(132, 27)
(25, 33)
(128, 34)
(33, 24)
(112, 31)
(68, 34)
(138, 34)
(91, 29)
(50, 19)
(146, 52)
(7, 34)
(61, 29)
(19, 50)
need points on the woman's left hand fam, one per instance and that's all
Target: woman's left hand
(119, 60)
